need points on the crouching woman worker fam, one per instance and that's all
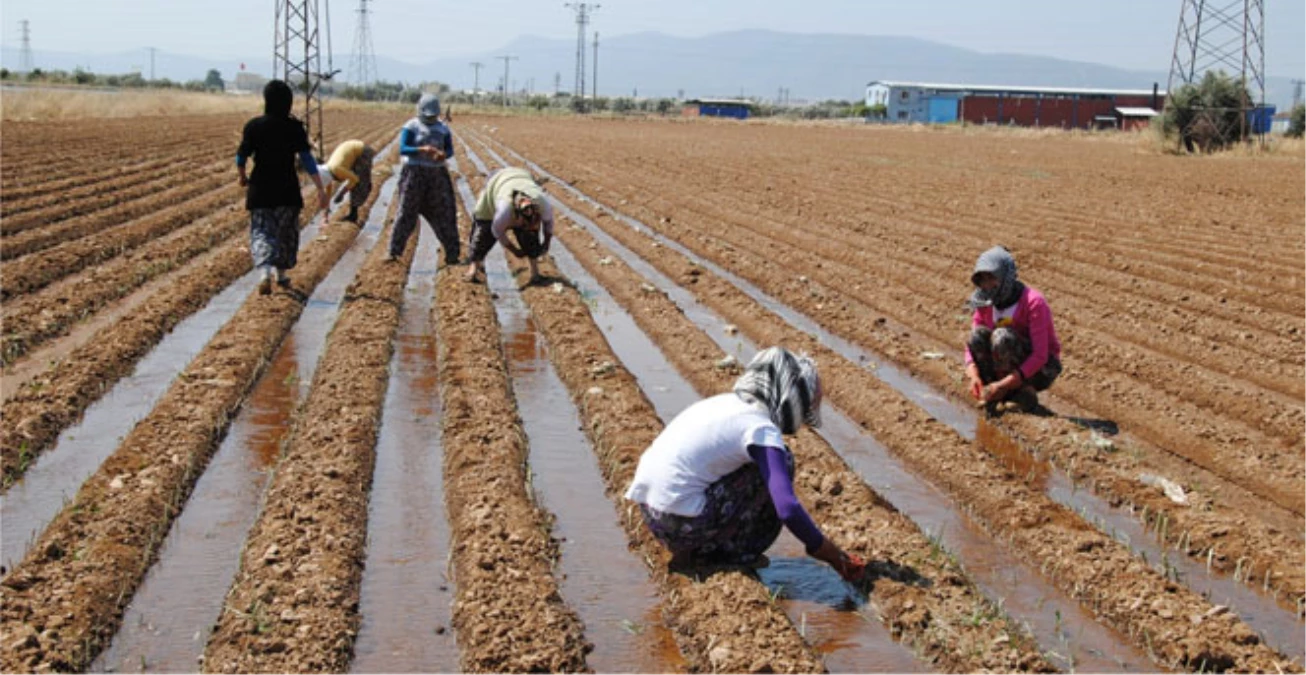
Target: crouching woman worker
(717, 483)
(1013, 350)
(512, 201)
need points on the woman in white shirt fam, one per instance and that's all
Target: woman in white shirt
(717, 484)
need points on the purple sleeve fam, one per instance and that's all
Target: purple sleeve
(771, 462)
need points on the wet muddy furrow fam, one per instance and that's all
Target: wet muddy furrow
(508, 613)
(1076, 558)
(45, 404)
(725, 621)
(599, 577)
(1156, 413)
(406, 591)
(924, 598)
(65, 600)
(121, 269)
(691, 349)
(887, 338)
(168, 621)
(293, 606)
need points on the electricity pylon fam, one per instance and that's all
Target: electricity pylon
(297, 59)
(362, 67)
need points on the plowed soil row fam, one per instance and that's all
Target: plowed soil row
(1083, 562)
(508, 612)
(35, 271)
(161, 195)
(925, 598)
(47, 404)
(38, 152)
(294, 604)
(63, 602)
(750, 269)
(849, 319)
(76, 187)
(40, 317)
(43, 168)
(1216, 424)
(723, 622)
(124, 186)
(50, 313)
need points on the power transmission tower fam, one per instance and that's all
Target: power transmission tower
(362, 68)
(297, 59)
(557, 83)
(1219, 34)
(152, 51)
(506, 59)
(583, 11)
(25, 57)
(1297, 92)
(594, 90)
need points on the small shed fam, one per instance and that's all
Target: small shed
(716, 107)
(1132, 118)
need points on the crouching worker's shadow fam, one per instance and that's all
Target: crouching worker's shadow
(810, 580)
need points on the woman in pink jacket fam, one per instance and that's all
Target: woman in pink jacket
(1013, 350)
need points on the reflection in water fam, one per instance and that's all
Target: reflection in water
(1023, 465)
(406, 597)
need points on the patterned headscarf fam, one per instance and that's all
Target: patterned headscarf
(786, 384)
(998, 262)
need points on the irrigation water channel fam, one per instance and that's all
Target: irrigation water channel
(600, 578)
(828, 611)
(406, 596)
(1064, 629)
(166, 625)
(1278, 627)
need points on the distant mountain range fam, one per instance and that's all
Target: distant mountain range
(743, 63)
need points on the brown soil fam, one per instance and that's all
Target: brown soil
(294, 604)
(1074, 555)
(924, 598)
(42, 407)
(65, 599)
(508, 613)
(846, 299)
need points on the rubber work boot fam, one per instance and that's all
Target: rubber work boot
(353, 214)
(265, 282)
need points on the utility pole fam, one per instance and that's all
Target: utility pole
(594, 90)
(583, 11)
(362, 71)
(1297, 92)
(506, 59)
(25, 57)
(476, 78)
(557, 83)
(152, 50)
(297, 60)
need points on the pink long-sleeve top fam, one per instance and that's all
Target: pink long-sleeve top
(1032, 319)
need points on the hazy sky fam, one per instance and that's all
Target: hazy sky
(1134, 34)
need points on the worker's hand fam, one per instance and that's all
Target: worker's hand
(322, 201)
(976, 388)
(852, 568)
(1000, 389)
(514, 250)
(242, 180)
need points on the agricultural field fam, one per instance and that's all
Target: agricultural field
(384, 468)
